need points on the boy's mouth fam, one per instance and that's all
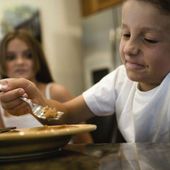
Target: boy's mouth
(133, 66)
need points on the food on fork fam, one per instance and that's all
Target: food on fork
(51, 112)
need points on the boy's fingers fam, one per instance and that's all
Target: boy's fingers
(11, 83)
(12, 95)
(3, 86)
(21, 108)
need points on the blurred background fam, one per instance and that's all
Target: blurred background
(80, 37)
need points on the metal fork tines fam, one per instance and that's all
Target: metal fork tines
(37, 110)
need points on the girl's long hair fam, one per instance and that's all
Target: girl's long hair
(40, 64)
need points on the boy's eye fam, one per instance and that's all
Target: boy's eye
(150, 40)
(126, 35)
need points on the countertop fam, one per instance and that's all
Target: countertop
(124, 156)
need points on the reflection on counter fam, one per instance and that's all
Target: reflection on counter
(101, 157)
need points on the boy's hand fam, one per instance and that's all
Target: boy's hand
(12, 89)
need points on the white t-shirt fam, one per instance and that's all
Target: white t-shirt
(141, 116)
(23, 121)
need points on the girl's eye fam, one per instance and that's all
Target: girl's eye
(28, 54)
(10, 57)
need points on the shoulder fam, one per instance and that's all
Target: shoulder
(119, 72)
(111, 84)
(59, 92)
(116, 77)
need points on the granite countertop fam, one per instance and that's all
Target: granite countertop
(98, 156)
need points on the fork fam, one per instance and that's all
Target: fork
(38, 110)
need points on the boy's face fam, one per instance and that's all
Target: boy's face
(145, 43)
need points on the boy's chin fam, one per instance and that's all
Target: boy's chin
(134, 77)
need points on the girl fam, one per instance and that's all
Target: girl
(22, 56)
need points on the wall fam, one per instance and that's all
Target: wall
(99, 45)
(61, 34)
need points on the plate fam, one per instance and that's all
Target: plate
(30, 141)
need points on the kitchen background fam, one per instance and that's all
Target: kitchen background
(80, 37)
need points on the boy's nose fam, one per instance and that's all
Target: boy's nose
(131, 47)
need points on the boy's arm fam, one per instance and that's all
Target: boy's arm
(75, 110)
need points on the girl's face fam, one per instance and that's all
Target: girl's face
(19, 62)
(145, 43)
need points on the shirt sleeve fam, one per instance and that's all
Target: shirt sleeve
(100, 98)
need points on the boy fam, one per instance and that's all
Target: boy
(138, 91)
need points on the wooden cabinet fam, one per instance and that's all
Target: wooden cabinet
(91, 6)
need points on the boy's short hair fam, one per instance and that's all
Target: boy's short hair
(162, 5)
